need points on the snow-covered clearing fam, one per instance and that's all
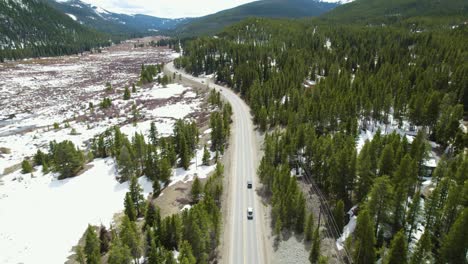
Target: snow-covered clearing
(42, 217)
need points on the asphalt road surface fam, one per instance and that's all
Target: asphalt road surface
(246, 243)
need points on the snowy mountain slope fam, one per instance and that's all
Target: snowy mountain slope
(106, 21)
(31, 28)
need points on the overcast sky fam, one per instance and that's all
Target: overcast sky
(167, 8)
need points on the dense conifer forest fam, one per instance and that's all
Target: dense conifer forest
(314, 87)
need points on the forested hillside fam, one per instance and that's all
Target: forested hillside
(362, 110)
(113, 23)
(31, 28)
(381, 11)
(265, 8)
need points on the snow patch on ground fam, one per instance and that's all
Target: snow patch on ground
(72, 16)
(164, 127)
(42, 217)
(196, 169)
(177, 110)
(186, 207)
(348, 229)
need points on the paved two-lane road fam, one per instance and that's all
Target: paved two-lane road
(246, 242)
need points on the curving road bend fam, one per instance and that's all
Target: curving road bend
(245, 238)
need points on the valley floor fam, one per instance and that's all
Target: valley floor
(43, 217)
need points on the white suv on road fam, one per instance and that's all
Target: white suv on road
(249, 213)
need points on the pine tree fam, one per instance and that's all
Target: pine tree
(184, 154)
(300, 212)
(422, 253)
(92, 246)
(67, 159)
(139, 146)
(170, 258)
(136, 192)
(155, 253)
(153, 134)
(126, 95)
(278, 228)
(26, 167)
(398, 250)
(130, 207)
(130, 237)
(399, 207)
(386, 161)
(379, 200)
(364, 171)
(105, 238)
(119, 253)
(80, 255)
(338, 214)
(185, 253)
(413, 213)
(150, 215)
(315, 250)
(196, 190)
(309, 228)
(454, 244)
(156, 188)
(134, 90)
(364, 251)
(206, 156)
(263, 119)
(165, 172)
(126, 164)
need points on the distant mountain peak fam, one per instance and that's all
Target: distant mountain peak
(340, 2)
(114, 23)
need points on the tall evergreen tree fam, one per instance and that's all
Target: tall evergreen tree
(379, 200)
(126, 164)
(185, 253)
(92, 246)
(364, 251)
(131, 238)
(130, 207)
(309, 228)
(126, 95)
(136, 192)
(422, 253)
(206, 156)
(338, 214)
(386, 161)
(315, 250)
(80, 255)
(119, 252)
(398, 250)
(454, 245)
(153, 134)
(196, 190)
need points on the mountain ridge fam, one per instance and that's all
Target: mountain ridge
(114, 23)
(265, 8)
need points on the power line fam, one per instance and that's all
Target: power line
(330, 221)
